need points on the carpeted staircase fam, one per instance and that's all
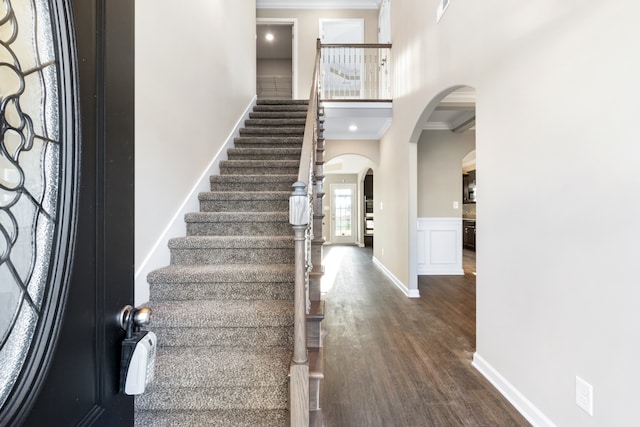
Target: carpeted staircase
(223, 309)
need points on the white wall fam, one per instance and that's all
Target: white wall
(273, 67)
(195, 76)
(557, 157)
(440, 154)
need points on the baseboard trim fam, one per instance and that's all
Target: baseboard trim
(159, 256)
(422, 271)
(512, 394)
(411, 293)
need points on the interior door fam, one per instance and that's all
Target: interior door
(343, 219)
(67, 372)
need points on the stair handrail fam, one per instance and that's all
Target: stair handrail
(301, 218)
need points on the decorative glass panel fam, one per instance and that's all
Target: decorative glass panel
(343, 212)
(29, 176)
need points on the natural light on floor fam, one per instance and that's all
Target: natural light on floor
(331, 262)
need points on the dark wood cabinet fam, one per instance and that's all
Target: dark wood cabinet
(469, 187)
(368, 210)
(469, 234)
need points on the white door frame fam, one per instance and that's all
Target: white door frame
(354, 207)
(294, 47)
(384, 22)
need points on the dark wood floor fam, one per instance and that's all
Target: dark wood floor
(395, 361)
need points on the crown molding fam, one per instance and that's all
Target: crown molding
(317, 4)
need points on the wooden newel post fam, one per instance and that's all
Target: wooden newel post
(299, 382)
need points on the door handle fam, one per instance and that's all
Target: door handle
(130, 316)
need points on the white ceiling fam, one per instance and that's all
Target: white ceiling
(371, 118)
(317, 4)
(456, 112)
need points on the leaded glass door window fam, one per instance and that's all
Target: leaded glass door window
(343, 211)
(37, 185)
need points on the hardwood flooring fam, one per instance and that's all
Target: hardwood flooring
(395, 361)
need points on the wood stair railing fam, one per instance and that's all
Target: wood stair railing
(305, 215)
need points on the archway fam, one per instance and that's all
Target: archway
(344, 182)
(435, 208)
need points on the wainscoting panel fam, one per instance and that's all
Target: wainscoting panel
(439, 246)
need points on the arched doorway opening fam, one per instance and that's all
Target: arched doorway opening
(346, 205)
(442, 137)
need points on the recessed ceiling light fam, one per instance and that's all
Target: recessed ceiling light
(269, 37)
(353, 128)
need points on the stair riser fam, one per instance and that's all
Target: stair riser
(268, 144)
(248, 170)
(279, 108)
(222, 291)
(252, 186)
(239, 229)
(232, 256)
(266, 101)
(213, 398)
(288, 121)
(232, 337)
(265, 156)
(263, 131)
(278, 115)
(269, 141)
(244, 205)
(219, 418)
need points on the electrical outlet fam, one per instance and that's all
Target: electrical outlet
(584, 395)
(455, 205)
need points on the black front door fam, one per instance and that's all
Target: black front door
(70, 371)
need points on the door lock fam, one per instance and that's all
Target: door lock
(137, 364)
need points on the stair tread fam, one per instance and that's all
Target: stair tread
(236, 217)
(218, 418)
(221, 366)
(289, 128)
(269, 138)
(280, 108)
(264, 150)
(268, 101)
(244, 195)
(260, 178)
(222, 313)
(222, 273)
(260, 163)
(280, 121)
(231, 242)
(277, 114)
(205, 398)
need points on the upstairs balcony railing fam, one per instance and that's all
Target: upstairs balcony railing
(355, 72)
